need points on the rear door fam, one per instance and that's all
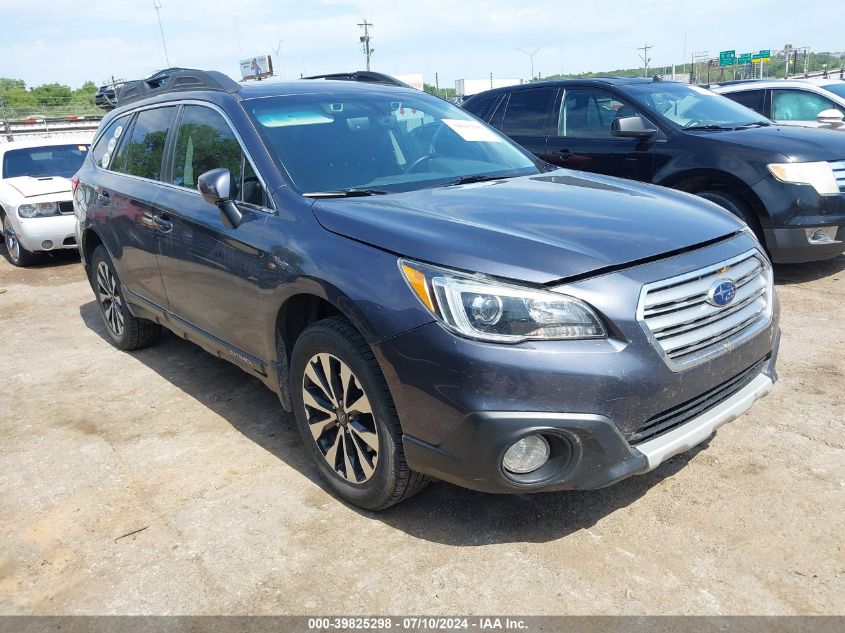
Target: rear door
(211, 271)
(582, 139)
(523, 116)
(128, 180)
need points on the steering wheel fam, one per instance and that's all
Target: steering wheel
(432, 152)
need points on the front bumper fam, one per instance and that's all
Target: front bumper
(463, 403)
(32, 233)
(791, 210)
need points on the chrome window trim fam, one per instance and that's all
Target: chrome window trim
(732, 342)
(207, 104)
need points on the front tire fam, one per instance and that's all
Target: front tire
(126, 331)
(347, 419)
(15, 252)
(738, 207)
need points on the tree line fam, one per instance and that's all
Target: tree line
(17, 100)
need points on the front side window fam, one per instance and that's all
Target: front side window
(141, 154)
(798, 105)
(690, 107)
(589, 113)
(526, 112)
(50, 160)
(386, 140)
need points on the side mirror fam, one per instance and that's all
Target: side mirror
(832, 117)
(215, 186)
(632, 127)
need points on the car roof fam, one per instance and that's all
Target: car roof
(276, 87)
(586, 81)
(757, 84)
(49, 141)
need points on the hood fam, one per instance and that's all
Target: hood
(31, 186)
(798, 144)
(537, 229)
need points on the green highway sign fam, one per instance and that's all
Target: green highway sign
(762, 56)
(745, 58)
(727, 58)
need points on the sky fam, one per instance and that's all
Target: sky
(71, 41)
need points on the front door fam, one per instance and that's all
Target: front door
(583, 139)
(211, 271)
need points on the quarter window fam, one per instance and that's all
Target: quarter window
(798, 105)
(104, 150)
(526, 112)
(141, 154)
(588, 113)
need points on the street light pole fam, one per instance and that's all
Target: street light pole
(531, 57)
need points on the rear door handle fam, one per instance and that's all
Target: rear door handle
(563, 153)
(163, 222)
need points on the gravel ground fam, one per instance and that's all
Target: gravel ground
(197, 463)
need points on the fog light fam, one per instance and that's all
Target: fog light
(526, 455)
(46, 245)
(824, 235)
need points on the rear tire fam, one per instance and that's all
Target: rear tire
(15, 252)
(347, 418)
(126, 331)
(735, 205)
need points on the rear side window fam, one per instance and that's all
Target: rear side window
(480, 107)
(141, 154)
(749, 98)
(103, 151)
(526, 112)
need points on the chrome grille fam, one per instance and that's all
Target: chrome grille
(687, 329)
(839, 172)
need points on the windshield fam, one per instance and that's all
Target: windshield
(691, 107)
(381, 141)
(837, 88)
(52, 160)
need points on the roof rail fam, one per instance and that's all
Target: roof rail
(365, 76)
(174, 80)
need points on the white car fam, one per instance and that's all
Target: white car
(814, 102)
(36, 207)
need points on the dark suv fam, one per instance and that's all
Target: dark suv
(429, 299)
(786, 183)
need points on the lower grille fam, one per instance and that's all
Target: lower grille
(66, 207)
(675, 417)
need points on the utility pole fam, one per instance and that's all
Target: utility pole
(277, 52)
(365, 40)
(157, 6)
(646, 59)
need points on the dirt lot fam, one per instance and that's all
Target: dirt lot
(199, 461)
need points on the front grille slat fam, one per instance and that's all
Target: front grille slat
(687, 329)
(838, 167)
(675, 417)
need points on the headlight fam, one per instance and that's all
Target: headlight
(38, 209)
(485, 309)
(818, 175)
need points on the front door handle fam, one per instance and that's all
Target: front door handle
(563, 153)
(163, 222)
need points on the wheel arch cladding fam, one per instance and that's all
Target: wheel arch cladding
(710, 179)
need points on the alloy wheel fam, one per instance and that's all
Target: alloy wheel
(110, 301)
(340, 418)
(12, 244)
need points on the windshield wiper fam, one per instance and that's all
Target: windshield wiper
(753, 124)
(709, 126)
(345, 193)
(466, 180)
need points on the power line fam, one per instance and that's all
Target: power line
(365, 40)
